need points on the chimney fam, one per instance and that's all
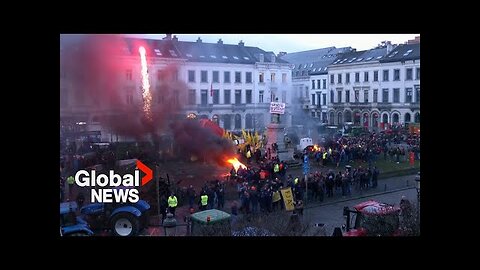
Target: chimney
(261, 58)
(220, 41)
(389, 46)
(273, 58)
(199, 40)
(175, 38)
(167, 37)
(241, 43)
(280, 54)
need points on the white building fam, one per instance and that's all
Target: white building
(375, 88)
(310, 82)
(231, 84)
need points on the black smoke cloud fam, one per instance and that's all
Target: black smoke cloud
(202, 142)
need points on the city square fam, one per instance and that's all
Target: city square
(177, 136)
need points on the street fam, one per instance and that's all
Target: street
(332, 215)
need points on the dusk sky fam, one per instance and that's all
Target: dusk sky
(294, 42)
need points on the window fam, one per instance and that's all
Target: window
(347, 78)
(313, 114)
(417, 74)
(128, 74)
(261, 77)
(238, 121)
(313, 99)
(347, 96)
(324, 99)
(408, 95)
(284, 96)
(216, 96)
(365, 76)
(130, 97)
(324, 117)
(248, 121)
(248, 77)
(227, 121)
(318, 98)
(365, 96)
(318, 84)
(204, 97)
(375, 76)
(396, 74)
(238, 77)
(331, 96)
(215, 78)
(409, 74)
(175, 76)
(417, 94)
(396, 95)
(226, 77)
(260, 96)
(339, 77)
(324, 83)
(238, 96)
(284, 78)
(385, 75)
(203, 76)
(357, 96)
(375, 95)
(226, 97)
(191, 76)
(357, 76)
(332, 78)
(192, 96)
(313, 84)
(339, 96)
(272, 77)
(248, 96)
(385, 95)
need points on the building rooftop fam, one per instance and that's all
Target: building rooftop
(313, 62)
(203, 52)
(403, 52)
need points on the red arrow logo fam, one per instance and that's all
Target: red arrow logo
(146, 170)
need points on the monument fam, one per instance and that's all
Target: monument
(275, 133)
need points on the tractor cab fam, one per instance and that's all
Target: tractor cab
(372, 218)
(70, 223)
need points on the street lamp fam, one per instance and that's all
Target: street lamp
(170, 225)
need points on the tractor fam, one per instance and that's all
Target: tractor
(372, 218)
(122, 219)
(70, 223)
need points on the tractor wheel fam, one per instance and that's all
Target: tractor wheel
(125, 224)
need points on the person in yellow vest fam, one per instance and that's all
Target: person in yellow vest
(70, 181)
(172, 203)
(203, 201)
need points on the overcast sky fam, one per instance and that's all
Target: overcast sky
(294, 42)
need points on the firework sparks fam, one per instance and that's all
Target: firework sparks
(236, 164)
(147, 96)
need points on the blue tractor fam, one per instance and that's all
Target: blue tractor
(70, 223)
(122, 219)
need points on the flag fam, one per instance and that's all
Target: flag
(211, 89)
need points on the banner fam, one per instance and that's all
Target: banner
(288, 198)
(277, 107)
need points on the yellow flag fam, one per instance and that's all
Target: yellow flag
(288, 198)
